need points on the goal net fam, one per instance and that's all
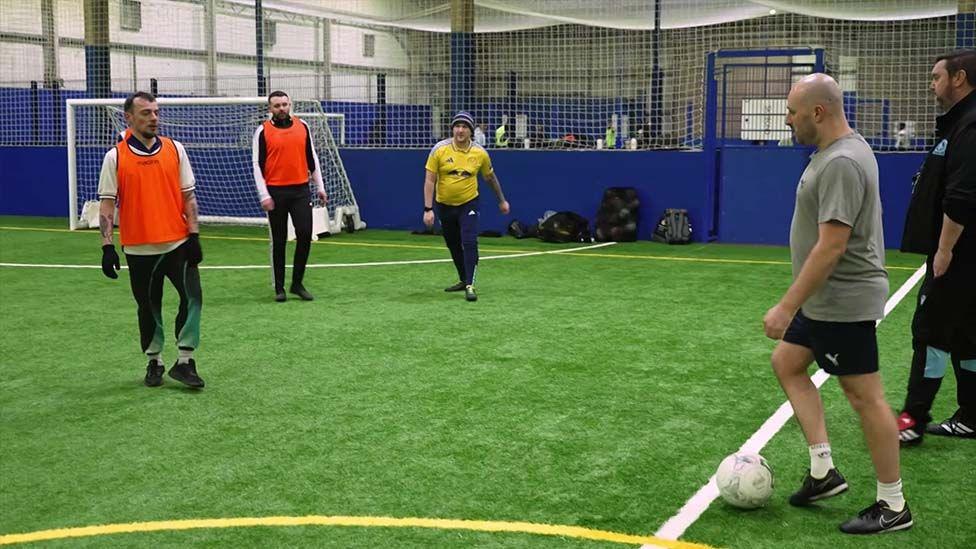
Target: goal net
(217, 133)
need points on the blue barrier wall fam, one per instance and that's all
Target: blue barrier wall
(758, 189)
(757, 186)
(34, 181)
(389, 184)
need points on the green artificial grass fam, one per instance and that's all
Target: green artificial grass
(596, 388)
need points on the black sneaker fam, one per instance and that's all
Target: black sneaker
(469, 293)
(186, 374)
(953, 427)
(910, 431)
(814, 489)
(280, 296)
(154, 373)
(877, 519)
(455, 288)
(301, 292)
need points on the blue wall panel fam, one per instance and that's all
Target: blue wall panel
(757, 186)
(34, 181)
(389, 184)
(758, 191)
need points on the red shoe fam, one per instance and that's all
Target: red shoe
(909, 431)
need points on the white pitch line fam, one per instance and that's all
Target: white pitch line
(329, 265)
(675, 526)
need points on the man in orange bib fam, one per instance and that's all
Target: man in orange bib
(283, 156)
(150, 178)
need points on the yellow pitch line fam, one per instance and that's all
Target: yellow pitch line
(262, 239)
(706, 259)
(383, 522)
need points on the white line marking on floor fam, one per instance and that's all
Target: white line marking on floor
(330, 265)
(675, 526)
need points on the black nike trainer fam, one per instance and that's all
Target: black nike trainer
(814, 489)
(877, 519)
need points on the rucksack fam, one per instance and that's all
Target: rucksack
(565, 227)
(617, 218)
(673, 227)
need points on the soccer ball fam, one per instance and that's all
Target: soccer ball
(745, 480)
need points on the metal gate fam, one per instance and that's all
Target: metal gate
(745, 106)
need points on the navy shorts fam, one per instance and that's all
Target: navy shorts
(840, 348)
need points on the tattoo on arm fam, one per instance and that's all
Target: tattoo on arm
(106, 219)
(105, 224)
(190, 211)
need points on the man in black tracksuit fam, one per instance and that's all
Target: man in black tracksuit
(284, 160)
(941, 224)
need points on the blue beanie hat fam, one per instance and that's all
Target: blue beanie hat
(463, 117)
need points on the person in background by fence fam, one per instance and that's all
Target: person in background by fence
(501, 140)
(941, 223)
(479, 135)
(283, 155)
(150, 178)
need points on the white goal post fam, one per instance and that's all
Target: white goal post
(217, 133)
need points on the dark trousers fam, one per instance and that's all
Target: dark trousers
(294, 200)
(146, 275)
(460, 226)
(944, 331)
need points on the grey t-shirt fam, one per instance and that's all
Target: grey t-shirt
(841, 184)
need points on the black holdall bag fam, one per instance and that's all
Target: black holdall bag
(565, 227)
(673, 227)
(617, 218)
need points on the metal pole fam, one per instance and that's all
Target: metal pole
(259, 45)
(656, 74)
(98, 68)
(35, 113)
(210, 35)
(49, 29)
(69, 111)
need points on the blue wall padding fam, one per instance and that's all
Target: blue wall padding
(34, 181)
(389, 184)
(758, 190)
(757, 187)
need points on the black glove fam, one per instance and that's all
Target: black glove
(110, 261)
(194, 255)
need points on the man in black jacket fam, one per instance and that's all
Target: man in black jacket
(941, 224)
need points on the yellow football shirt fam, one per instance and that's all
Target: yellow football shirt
(457, 171)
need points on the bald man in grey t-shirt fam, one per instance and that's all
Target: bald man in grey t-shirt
(840, 185)
(838, 292)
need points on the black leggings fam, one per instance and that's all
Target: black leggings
(460, 225)
(295, 200)
(146, 276)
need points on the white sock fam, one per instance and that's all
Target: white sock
(185, 356)
(155, 357)
(890, 493)
(820, 460)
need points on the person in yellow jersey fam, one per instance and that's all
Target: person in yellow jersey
(150, 178)
(452, 171)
